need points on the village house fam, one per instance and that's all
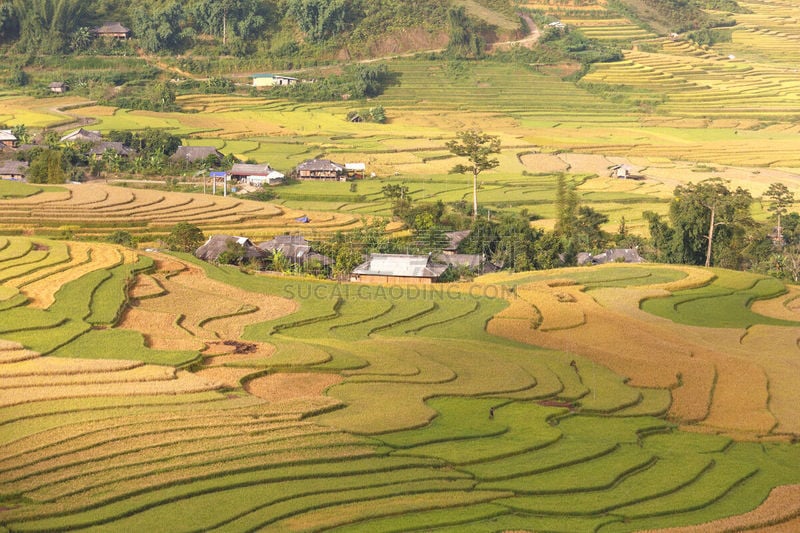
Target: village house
(113, 30)
(193, 154)
(320, 169)
(116, 147)
(255, 175)
(13, 170)
(82, 135)
(58, 87)
(454, 239)
(7, 139)
(272, 80)
(613, 255)
(398, 268)
(216, 245)
(296, 249)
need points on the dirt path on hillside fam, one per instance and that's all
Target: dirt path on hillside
(527, 42)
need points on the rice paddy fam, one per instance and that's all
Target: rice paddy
(367, 402)
(145, 392)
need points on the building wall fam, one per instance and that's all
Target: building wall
(390, 280)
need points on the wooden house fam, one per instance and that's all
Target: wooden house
(13, 170)
(216, 245)
(256, 175)
(117, 147)
(320, 169)
(113, 30)
(7, 139)
(82, 136)
(59, 87)
(296, 249)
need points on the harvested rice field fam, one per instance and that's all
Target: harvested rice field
(510, 408)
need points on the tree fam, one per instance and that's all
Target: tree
(121, 237)
(319, 19)
(700, 209)
(48, 167)
(185, 237)
(476, 147)
(464, 42)
(781, 199)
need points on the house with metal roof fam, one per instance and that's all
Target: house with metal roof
(216, 245)
(612, 255)
(257, 175)
(398, 268)
(117, 147)
(272, 80)
(296, 249)
(7, 139)
(58, 87)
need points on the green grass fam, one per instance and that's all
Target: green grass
(17, 189)
(121, 344)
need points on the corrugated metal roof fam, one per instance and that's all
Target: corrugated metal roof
(245, 169)
(6, 135)
(400, 265)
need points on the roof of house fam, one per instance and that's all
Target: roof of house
(111, 27)
(356, 166)
(400, 265)
(613, 255)
(118, 147)
(320, 165)
(244, 169)
(295, 248)
(83, 135)
(217, 244)
(57, 85)
(6, 135)
(454, 239)
(8, 168)
(273, 76)
(195, 153)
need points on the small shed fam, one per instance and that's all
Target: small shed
(612, 255)
(13, 170)
(7, 139)
(193, 154)
(114, 30)
(321, 169)
(272, 80)
(59, 87)
(355, 170)
(398, 268)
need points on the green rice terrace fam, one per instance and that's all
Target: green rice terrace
(150, 391)
(205, 398)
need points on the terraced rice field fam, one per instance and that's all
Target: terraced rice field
(98, 209)
(373, 408)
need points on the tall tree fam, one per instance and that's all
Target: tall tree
(781, 198)
(700, 209)
(477, 147)
(46, 25)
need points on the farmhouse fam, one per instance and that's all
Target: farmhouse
(114, 30)
(272, 80)
(398, 268)
(257, 175)
(613, 255)
(193, 154)
(474, 262)
(13, 170)
(58, 87)
(296, 249)
(454, 239)
(82, 135)
(320, 169)
(116, 147)
(7, 139)
(216, 245)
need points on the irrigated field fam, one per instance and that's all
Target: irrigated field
(296, 405)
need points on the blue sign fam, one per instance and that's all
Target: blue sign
(215, 174)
